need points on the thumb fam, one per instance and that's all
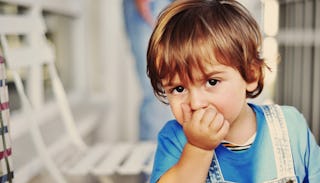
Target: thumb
(186, 112)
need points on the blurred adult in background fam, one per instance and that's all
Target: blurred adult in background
(140, 16)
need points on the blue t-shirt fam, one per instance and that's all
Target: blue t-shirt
(257, 164)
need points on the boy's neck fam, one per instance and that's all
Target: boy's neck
(244, 128)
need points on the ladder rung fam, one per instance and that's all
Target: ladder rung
(91, 157)
(113, 159)
(138, 159)
(147, 169)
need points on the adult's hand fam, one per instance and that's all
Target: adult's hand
(143, 7)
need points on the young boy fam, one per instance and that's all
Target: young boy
(203, 59)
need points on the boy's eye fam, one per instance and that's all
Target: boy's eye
(212, 82)
(178, 89)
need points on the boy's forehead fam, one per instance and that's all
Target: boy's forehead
(176, 79)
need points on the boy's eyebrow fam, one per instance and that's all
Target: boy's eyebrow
(169, 84)
(206, 75)
(214, 72)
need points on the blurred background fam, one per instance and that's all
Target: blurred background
(95, 63)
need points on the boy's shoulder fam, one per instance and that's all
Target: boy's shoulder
(294, 118)
(172, 130)
(289, 109)
(296, 122)
(292, 115)
(171, 126)
(286, 109)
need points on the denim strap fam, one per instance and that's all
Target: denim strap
(281, 147)
(280, 142)
(214, 174)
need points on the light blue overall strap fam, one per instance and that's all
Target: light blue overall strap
(214, 174)
(281, 147)
(280, 142)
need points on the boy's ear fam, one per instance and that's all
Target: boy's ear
(251, 86)
(253, 78)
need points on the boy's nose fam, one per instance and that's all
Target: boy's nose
(198, 100)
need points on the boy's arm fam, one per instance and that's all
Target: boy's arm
(204, 129)
(192, 167)
(312, 159)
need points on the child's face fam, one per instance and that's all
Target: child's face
(221, 87)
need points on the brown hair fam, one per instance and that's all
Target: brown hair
(190, 33)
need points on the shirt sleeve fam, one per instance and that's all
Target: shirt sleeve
(312, 159)
(171, 141)
(305, 149)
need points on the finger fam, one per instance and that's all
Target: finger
(208, 116)
(197, 116)
(186, 113)
(222, 133)
(217, 123)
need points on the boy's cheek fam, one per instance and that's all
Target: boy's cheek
(177, 113)
(179, 118)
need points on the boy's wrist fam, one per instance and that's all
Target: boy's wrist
(206, 146)
(198, 148)
(193, 166)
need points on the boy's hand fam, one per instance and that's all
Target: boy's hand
(204, 128)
